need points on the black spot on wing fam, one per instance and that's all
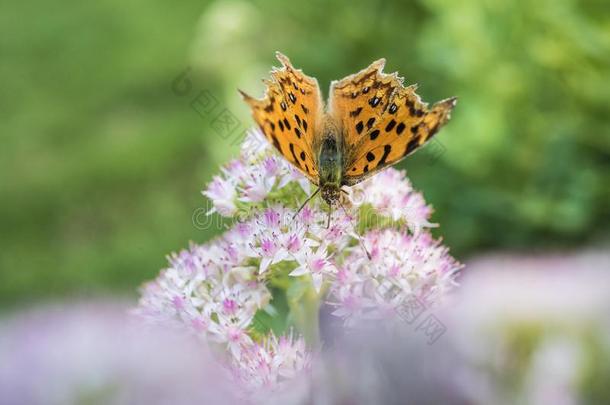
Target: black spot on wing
(359, 127)
(410, 106)
(370, 122)
(287, 124)
(305, 109)
(276, 143)
(370, 156)
(356, 112)
(297, 132)
(386, 151)
(294, 155)
(412, 145)
(374, 134)
(390, 126)
(400, 127)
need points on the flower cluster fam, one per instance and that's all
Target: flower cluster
(205, 289)
(215, 291)
(401, 266)
(375, 254)
(391, 195)
(250, 179)
(273, 363)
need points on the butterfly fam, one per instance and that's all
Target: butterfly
(371, 121)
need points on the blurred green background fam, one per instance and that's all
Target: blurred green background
(102, 157)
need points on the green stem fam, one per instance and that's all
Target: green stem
(304, 304)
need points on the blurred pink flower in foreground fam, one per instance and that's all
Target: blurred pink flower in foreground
(508, 341)
(535, 329)
(96, 354)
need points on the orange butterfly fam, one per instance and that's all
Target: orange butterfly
(371, 122)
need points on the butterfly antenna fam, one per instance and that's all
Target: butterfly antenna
(351, 220)
(305, 203)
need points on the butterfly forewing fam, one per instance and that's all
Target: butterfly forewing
(289, 115)
(382, 121)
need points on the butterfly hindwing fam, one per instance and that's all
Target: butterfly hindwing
(289, 114)
(382, 121)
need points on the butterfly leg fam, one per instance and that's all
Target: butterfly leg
(305, 203)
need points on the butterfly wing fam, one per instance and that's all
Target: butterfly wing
(382, 121)
(289, 114)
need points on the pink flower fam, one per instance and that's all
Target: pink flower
(229, 306)
(315, 264)
(271, 218)
(271, 166)
(222, 193)
(233, 334)
(256, 188)
(270, 252)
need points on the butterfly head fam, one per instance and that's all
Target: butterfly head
(330, 193)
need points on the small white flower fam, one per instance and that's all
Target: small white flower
(222, 193)
(315, 264)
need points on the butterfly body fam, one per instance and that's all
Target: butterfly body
(371, 122)
(330, 163)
